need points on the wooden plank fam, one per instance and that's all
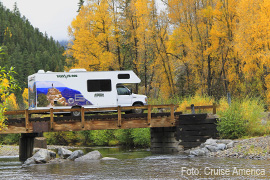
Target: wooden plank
(201, 107)
(194, 121)
(26, 120)
(17, 112)
(149, 114)
(93, 125)
(198, 117)
(82, 117)
(119, 116)
(172, 112)
(100, 109)
(197, 127)
(41, 111)
(214, 108)
(51, 118)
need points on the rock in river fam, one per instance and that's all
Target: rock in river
(75, 154)
(64, 153)
(94, 155)
(42, 156)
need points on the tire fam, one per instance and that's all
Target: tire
(137, 111)
(76, 113)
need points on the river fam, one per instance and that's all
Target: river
(139, 164)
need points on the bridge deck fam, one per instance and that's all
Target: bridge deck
(89, 122)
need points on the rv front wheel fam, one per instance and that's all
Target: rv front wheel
(137, 111)
(76, 113)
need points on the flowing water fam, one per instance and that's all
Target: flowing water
(139, 164)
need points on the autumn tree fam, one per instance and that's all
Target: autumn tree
(252, 45)
(7, 86)
(91, 37)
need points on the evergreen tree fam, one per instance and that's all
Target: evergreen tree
(26, 48)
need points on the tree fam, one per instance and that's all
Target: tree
(7, 86)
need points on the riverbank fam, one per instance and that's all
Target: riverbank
(257, 148)
(13, 150)
(254, 148)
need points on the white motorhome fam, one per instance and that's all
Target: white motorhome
(79, 88)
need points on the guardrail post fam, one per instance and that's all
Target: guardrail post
(149, 114)
(51, 118)
(214, 108)
(119, 116)
(26, 120)
(82, 117)
(192, 109)
(172, 112)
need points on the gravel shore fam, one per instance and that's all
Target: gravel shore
(254, 148)
(257, 148)
(10, 150)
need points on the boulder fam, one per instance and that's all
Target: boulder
(75, 154)
(41, 156)
(212, 142)
(29, 161)
(94, 155)
(64, 153)
(108, 159)
(224, 141)
(221, 147)
(198, 152)
(230, 145)
(211, 148)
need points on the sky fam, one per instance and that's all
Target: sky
(50, 16)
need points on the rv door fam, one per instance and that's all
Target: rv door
(124, 96)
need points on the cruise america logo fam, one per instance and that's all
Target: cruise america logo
(67, 76)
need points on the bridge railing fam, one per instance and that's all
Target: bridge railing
(27, 113)
(193, 108)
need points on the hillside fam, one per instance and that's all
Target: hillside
(26, 48)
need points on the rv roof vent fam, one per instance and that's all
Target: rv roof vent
(49, 72)
(77, 70)
(41, 71)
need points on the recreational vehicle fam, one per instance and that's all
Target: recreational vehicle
(80, 88)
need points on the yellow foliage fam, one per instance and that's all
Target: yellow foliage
(25, 97)
(197, 100)
(92, 44)
(11, 102)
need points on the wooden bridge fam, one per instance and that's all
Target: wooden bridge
(30, 124)
(170, 131)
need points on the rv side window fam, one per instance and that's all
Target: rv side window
(99, 85)
(123, 76)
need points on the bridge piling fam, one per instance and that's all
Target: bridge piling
(26, 145)
(163, 140)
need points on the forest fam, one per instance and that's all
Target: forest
(183, 51)
(26, 49)
(209, 47)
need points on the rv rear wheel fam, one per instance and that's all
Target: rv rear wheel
(76, 113)
(137, 111)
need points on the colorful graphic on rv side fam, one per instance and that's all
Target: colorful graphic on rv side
(54, 93)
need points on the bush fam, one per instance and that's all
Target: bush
(141, 137)
(242, 118)
(231, 123)
(10, 139)
(197, 100)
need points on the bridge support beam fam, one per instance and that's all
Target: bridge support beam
(26, 145)
(164, 140)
